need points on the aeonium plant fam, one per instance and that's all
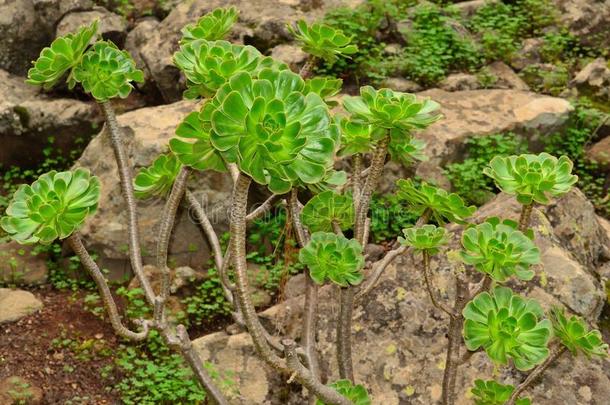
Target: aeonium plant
(211, 27)
(158, 178)
(493, 393)
(322, 41)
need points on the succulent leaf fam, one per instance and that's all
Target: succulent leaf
(428, 238)
(107, 72)
(406, 149)
(532, 177)
(325, 87)
(158, 178)
(52, 207)
(62, 55)
(356, 138)
(355, 393)
(443, 205)
(276, 134)
(493, 393)
(499, 250)
(574, 333)
(327, 207)
(507, 326)
(322, 41)
(333, 257)
(213, 26)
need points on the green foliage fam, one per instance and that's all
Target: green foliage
(158, 178)
(493, 393)
(499, 250)
(532, 177)
(507, 327)
(274, 133)
(355, 393)
(193, 147)
(213, 26)
(208, 302)
(444, 206)
(322, 41)
(53, 207)
(107, 72)
(63, 55)
(327, 207)
(426, 238)
(389, 216)
(209, 65)
(467, 178)
(548, 79)
(334, 257)
(574, 334)
(325, 87)
(356, 137)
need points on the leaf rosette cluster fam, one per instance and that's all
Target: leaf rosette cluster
(532, 177)
(333, 257)
(277, 135)
(327, 207)
(193, 147)
(574, 334)
(322, 41)
(493, 393)
(426, 238)
(354, 392)
(52, 207)
(507, 327)
(325, 87)
(158, 178)
(213, 26)
(499, 250)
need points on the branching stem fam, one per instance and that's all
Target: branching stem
(344, 333)
(524, 218)
(430, 287)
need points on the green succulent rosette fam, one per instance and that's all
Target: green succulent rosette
(62, 55)
(507, 326)
(193, 147)
(52, 207)
(574, 334)
(355, 393)
(406, 149)
(532, 177)
(443, 206)
(325, 87)
(322, 41)
(213, 26)
(356, 137)
(493, 393)
(392, 110)
(208, 65)
(499, 250)
(327, 207)
(333, 257)
(271, 130)
(107, 72)
(158, 178)
(426, 238)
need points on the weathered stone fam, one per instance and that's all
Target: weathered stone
(290, 54)
(28, 118)
(587, 20)
(399, 338)
(600, 153)
(401, 84)
(460, 81)
(529, 54)
(469, 8)
(22, 265)
(17, 304)
(111, 26)
(18, 390)
(506, 78)
(594, 80)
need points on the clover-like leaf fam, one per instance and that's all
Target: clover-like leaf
(427, 238)
(327, 207)
(213, 26)
(532, 177)
(493, 393)
(193, 147)
(52, 207)
(62, 55)
(158, 178)
(355, 393)
(333, 257)
(208, 65)
(276, 134)
(499, 250)
(574, 334)
(507, 326)
(444, 206)
(325, 87)
(392, 110)
(322, 41)
(107, 72)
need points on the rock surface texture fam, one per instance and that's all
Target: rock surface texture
(22, 265)
(17, 304)
(399, 337)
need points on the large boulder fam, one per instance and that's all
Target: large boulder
(594, 80)
(111, 26)
(28, 118)
(147, 132)
(399, 337)
(17, 304)
(587, 20)
(261, 23)
(600, 153)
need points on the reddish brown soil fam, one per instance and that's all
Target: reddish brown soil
(64, 372)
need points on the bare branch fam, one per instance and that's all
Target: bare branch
(344, 333)
(263, 208)
(356, 178)
(208, 229)
(429, 286)
(378, 269)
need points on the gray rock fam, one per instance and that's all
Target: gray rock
(529, 54)
(290, 54)
(600, 153)
(401, 84)
(399, 337)
(594, 80)
(459, 82)
(469, 8)
(17, 304)
(22, 265)
(111, 26)
(506, 78)
(587, 20)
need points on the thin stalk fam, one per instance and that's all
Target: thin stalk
(126, 178)
(429, 286)
(344, 333)
(310, 64)
(97, 276)
(356, 178)
(524, 218)
(208, 229)
(263, 208)
(537, 372)
(378, 269)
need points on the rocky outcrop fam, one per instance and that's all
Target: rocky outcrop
(505, 77)
(600, 153)
(587, 20)
(17, 304)
(460, 82)
(28, 118)
(111, 26)
(399, 337)
(594, 80)
(22, 264)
